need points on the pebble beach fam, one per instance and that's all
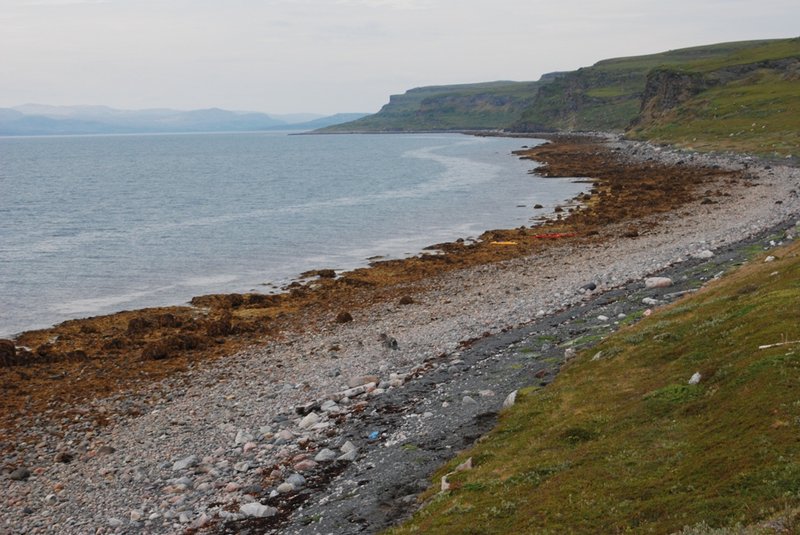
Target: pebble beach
(251, 440)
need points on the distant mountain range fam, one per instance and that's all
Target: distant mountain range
(39, 119)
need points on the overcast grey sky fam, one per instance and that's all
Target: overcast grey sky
(326, 56)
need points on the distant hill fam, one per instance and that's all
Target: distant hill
(38, 119)
(482, 106)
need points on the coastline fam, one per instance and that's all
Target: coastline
(469, 290)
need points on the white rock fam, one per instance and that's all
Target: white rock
(242, 437)
(705, 254)
(657, 282)
(329, 406)
(569, 353)
(285, 488)
(467, 400)
(310, 419)
(770, 258)
(242, 466)
(602, 318)
(325, 455)
(510, 399)
(649, 301)
(349, 456)
(695, 379)
(257, 510)
(186, 462)
(463, 467)
(347, 447)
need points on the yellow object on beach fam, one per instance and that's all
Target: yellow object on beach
(503, 243)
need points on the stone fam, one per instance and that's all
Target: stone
(304, 466)
(51, 499)
(249, 446)
(105, 450)
(329, 406)
(242, 466)
(285, 488)
(569, 353)
(306, 408)
(243, 437)
(136, 515)
(231, 487)
(465, 466)
(649, 301)
(309, 420)
(467, 400)
(362, 380)
(602, 318)
(388, 342)
(257, 510)
(347, 447)
(510, 399)
(350, 456)
(695, 378)
(186, 462)
(589, 287)
(20, 474)
(770, 258)
(115, 523)
(406, 300)
(64, 457)
(344, 317)
(705, 254)
(325, 455)
(657, 282)
(297, 480)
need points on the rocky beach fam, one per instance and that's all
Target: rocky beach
(325, 409)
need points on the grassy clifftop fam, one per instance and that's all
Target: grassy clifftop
(483, 106)
(748, 100)
(608, 95)
(740, 96)
(624, 443)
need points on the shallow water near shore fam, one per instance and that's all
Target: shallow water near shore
(96, 224)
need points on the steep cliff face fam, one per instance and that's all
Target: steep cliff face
(666, 89)
(586, 99)
(747, 105)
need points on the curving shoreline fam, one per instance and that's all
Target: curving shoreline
(460, 295)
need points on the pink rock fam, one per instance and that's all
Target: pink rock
(303, 466)
(231, 487)
(249, 446)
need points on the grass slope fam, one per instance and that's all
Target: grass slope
(482, 106)
(625, 444)
(752, 104)
(607, 95)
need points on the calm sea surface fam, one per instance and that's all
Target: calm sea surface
(93, 225)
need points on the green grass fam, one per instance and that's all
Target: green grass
(626, 445)
(759, 114)
(479, 106)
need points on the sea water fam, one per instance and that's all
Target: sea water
(96, 224)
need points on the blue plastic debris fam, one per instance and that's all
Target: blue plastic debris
(374, 435)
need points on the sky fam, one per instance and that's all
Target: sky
(329, 56)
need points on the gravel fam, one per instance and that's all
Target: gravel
(213, 444)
